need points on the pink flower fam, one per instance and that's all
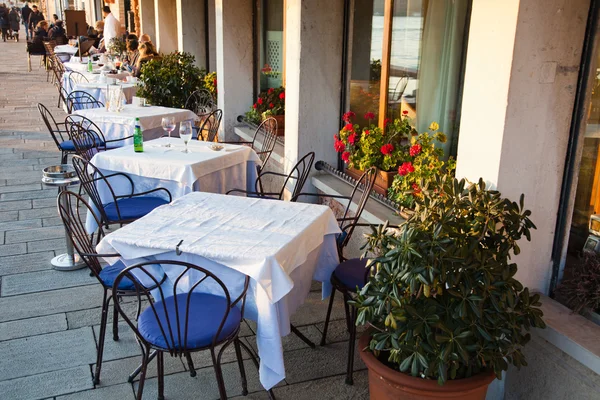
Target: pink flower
(406, 168)
(347, 117)
(339, 146)
(346, 156)
(415, 150)
(369, 115)
(352, 138)
(387, 149)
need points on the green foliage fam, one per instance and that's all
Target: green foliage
(443, 300)
(375, 70)
(170, 80)
(580, 289)
(116, 47)
(210, 83)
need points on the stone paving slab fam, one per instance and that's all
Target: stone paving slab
(117, 392)
(46, 353)
(40, 281)
(32, 326)
(117, 371)
(54, 383)
(38, 213)
(58, 245)
(26, 263)
(125, 347)
(15, 205)
(9, 215)
(35, 234)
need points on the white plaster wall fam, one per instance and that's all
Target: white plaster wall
(313, 59)
(521, 74)
(165, 12)
(212, 37)
(147, 21)
(191, 35)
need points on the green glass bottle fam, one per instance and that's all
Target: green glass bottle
(90, 66)
(138, 138)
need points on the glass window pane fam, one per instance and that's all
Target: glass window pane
(365, 58)
(270, 44)
(426, 63)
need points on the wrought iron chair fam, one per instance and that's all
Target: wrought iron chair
(73, 78)
(269, 130)
(201, 103)
(298, 173)
(350, 273)
(80, 100)
(87, 142)
(74, 217)
(119, 209)
(209, 129)
(58, 132)
(182, 320)
(87, 124)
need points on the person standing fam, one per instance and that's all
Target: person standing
(25, 12)
(4, 22)
(34, 18)
(13, 18)
(112, 26)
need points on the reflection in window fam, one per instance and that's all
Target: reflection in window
(270, 20)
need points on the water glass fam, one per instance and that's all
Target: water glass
(185, 133)
(168, 124)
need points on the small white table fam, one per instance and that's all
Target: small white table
(116, 125)
(281, 245)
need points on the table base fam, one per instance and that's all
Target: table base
(66, 262)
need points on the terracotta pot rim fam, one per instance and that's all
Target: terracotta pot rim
(414, 385)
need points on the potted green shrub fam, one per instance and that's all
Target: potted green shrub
(168, 81)
(445, 311)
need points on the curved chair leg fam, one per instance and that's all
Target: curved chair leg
(161, 375)
(238, 353)
(188, 358)
(219, 374)
(347, 311)
(145, 361)
(103, 322)
(331, 298)
(351, 346)
(115, 320)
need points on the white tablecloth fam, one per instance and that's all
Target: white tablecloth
(65, 48)
(82, 68)
(115, 125)
(281, 245)
(98, 90)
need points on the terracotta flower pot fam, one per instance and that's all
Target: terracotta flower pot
(280, 124)
(383, 181)
(388, 384)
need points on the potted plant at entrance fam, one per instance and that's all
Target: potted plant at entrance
(445, 311)
(270, 103)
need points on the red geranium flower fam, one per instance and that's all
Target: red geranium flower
(271, 105)
(282, 95)
(214, 82)
(416, 188)
(366, 132)
(254, 105)
(405, 112)
(271, 90)
(339, 146)
(414, 150)
(352, 138)
(260, 100)
(349, 127)
(347, 117)
(387, 149)
(406, 168)
(369, 115)
(386, 121)
(346, 156)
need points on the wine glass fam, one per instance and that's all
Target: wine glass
(168, 124)
(185, 133)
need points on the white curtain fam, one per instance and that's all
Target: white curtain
(439, 68)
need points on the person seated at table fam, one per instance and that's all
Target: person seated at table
(40, 36)
(147, 53)
(98, 33)
(53, 21)
(145, 38)
(132, 54)
(57, 33)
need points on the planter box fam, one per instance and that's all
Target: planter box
(280, 124)
(382, 183)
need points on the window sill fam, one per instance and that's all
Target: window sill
(246, 133)
(573, 334)
(374, 213)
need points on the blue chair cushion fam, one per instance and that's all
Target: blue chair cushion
(205, 315)
(69, 146)
(351, 273)
(109, 274)
(133, 208)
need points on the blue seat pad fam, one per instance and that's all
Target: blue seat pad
(69, 146)
(352, 273)
(132, 208)
(205, 315)
(109, 274)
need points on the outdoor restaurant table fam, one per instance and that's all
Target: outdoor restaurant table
(117, 125)
(203, 169)
(98, 90)
(281, 245)
(65, 49)
(82, 68)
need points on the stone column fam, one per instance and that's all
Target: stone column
(191, 35)
(521, 75)
(234, 61)
(147, 20)
(212, 40)
(165, 12)
(313, 61)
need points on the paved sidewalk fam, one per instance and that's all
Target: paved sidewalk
(49, 320)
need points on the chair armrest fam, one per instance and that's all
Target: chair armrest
(277, 174)
(151, 191)
(117, 174)
(99, 255)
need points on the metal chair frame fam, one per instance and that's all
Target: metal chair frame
(364, 186)
(56, 130)
(299, 173)
(81, 100)
(74, 78)
(201, 103)
(211, 123)
(87, 142)
(269, 129)
(175, 346)
(89, 175)
(87, 124)
(73, 217)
